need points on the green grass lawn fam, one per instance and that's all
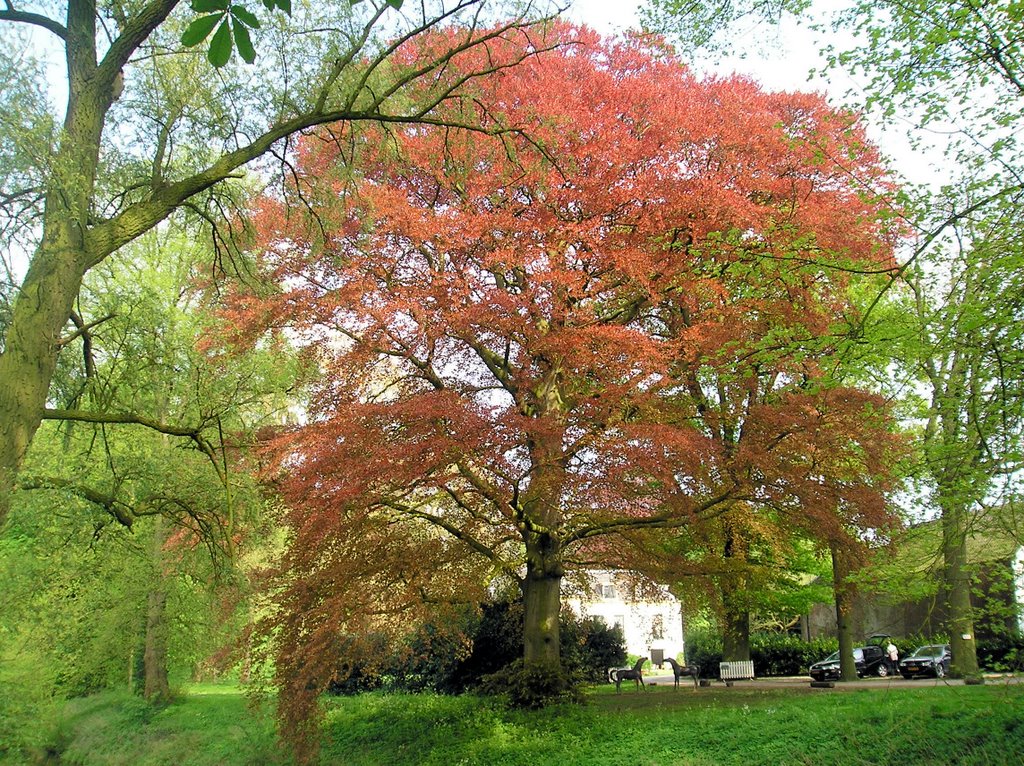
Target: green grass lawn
(934, 724)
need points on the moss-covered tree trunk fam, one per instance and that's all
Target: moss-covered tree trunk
(542, 589)
(67, 250)
(156, 684)
(957, 581)
(540, 522)
(736, 628)
(957, 455)
(154, 659)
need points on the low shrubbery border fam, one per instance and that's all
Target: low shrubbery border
(781, 654)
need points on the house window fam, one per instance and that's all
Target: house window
(608, 591)
(620, 621)
(658, 627)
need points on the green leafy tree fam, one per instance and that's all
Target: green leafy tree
(954, 70)
(971, 356)
(959, 68)
(707, 26)
(127, 537)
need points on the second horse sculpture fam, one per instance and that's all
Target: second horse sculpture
(684, 670)
(618, 675)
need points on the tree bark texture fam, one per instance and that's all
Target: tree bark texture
(957, 577)
(542, 591)
(844, 595)
(58, 265)
(736, 609)
(541, 519)
(736, 634)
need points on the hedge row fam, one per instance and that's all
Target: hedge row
(774, 654)
(1002, 654)
(779, 654)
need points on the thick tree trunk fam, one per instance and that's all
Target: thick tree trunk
(157, 686)
(27, 364)
(736, 630)
(62, 258)
(541, 518)
(542, 599)
(957, 576)
(736, 635)
(844, 594)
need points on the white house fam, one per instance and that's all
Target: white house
(651, 622)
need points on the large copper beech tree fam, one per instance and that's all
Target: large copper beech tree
(538, 351)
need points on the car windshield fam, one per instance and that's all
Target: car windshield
(928, 651)
(858, 654)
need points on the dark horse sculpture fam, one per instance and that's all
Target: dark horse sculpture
(684, 670)
(618, 675)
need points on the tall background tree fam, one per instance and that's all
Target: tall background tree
(954, 73)
(125, 559)
(961, 70)
(530, 347)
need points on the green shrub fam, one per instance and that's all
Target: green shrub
(782, 654)
(358, 677)
(1002, 654)
(704, 649)
(455, 658)
(589, 647)
(533, 685)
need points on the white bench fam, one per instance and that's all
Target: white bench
(739, 670)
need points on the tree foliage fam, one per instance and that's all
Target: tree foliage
(149, 131)
(955, 73)
(708, 26)
(125, 555)
(538, 349)
(958, 71)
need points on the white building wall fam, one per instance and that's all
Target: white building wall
(654, 623)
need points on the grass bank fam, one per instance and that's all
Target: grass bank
(928, 725)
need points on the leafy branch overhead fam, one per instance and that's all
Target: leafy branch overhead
(232, 23)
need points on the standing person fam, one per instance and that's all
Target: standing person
(893, 655)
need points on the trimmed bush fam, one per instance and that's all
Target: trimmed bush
(704, 649)
(589, 647)
(778, 654)
(782, 654)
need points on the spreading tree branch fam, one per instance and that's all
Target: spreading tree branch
(713, 506)
(454, 530)
(121, 512)
(136, 219)
(10, 13)
(194, 433)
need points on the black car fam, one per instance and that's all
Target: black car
(870, 661)
(929, 660)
